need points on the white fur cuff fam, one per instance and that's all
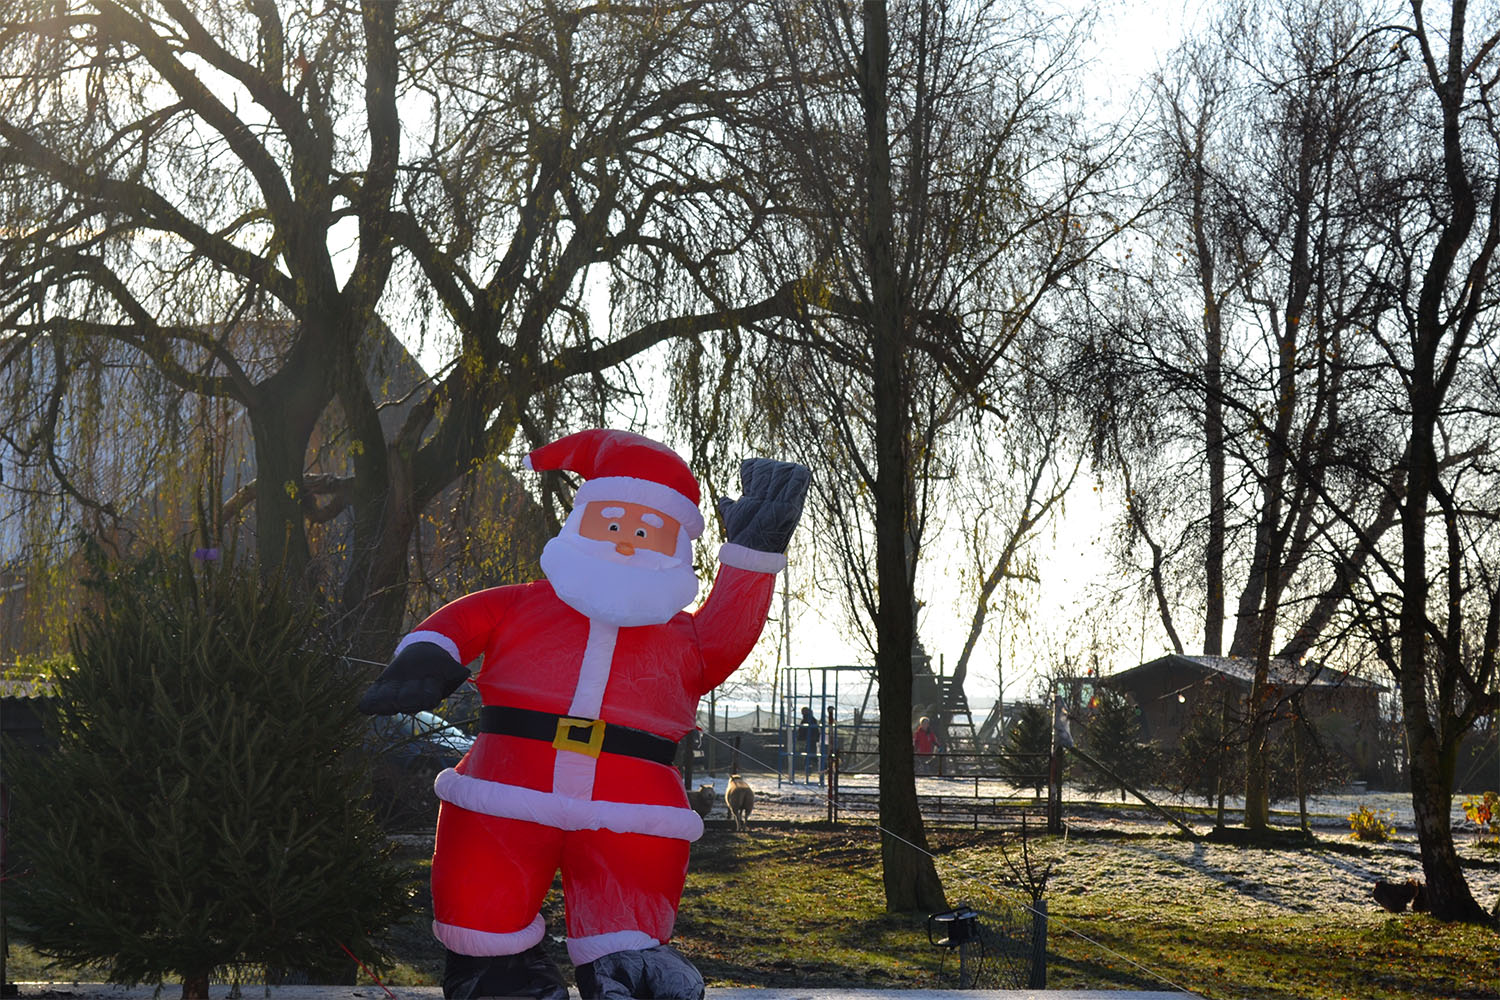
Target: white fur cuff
(438, 639)
(753, 560)
(468, 941)
(587, 949)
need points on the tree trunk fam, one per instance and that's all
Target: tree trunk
(195, 986)
(1432, 758)
(1213, 424)
(1257, 773)
(1448, 893)
(283, 411)
(911, 880)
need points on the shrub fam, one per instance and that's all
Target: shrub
(202, 806)
(1484, 812)
(1371, 825)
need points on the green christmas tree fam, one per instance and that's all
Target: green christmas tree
(202, 807)
(1112, 734)
(1028, 746)
(1210, 754)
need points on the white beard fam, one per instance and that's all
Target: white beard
(646, 588)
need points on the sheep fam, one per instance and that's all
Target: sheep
(702, 800)
(740, 798)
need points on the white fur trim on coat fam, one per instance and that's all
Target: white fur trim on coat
(753, 560)
(494, 798)
(468, 941)
(587, 949)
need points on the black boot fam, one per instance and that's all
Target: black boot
(530, 974)
(658, 973)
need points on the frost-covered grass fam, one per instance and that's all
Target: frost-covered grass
(802, 905)
(805, 907)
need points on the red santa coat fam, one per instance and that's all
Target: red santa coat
(541, 654)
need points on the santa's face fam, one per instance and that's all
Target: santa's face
(623, 563)
(630, 526)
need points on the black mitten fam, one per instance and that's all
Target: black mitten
(764, 517)
(417, 680)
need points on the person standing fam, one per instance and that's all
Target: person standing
(925, 742)
(807, 742)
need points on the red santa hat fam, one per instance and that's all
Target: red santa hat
(628, 468)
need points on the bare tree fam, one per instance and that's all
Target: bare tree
(1019, 473)
(234, 197)
(1392, 285)
(1263, 129)
(938, 199)
(1443, 233)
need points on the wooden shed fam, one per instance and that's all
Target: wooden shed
(1172, 690)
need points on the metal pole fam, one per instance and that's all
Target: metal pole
(1054, 772)
(833, 786)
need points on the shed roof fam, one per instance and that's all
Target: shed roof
(1242, 669)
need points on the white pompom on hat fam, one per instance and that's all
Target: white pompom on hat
(625, 467)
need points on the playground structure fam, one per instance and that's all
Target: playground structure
(768, 739)
(975, 784)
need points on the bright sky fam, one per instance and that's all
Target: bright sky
(1072, 558)
(1131, 38)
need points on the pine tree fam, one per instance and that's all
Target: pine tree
(1113, 736)
(202, 807)
(1028, 746)
(1210, 753)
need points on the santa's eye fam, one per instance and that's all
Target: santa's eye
(614, 527)
(640, 532)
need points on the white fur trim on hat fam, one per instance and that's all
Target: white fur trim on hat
(753, 560)
(647, 492)
(468, 941)
(493, 798)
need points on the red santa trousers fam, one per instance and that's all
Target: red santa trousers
(621, 889)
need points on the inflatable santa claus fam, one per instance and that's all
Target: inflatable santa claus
(588, 678)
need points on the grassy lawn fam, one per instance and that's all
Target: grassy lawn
(804, 907)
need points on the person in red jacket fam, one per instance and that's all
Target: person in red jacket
(588, 679)
(925, 742)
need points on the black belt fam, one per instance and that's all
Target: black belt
(585, 736)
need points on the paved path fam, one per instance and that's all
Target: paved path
(97, 991)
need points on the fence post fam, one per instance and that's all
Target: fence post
(833, 787)
(1038, 979)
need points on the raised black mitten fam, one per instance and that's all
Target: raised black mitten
(417, 680)
(770, 506)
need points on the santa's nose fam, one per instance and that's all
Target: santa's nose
(625, 548)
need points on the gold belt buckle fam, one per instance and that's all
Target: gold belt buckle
(567, 740)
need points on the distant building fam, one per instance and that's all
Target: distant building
(1172, 690)
(487, 534)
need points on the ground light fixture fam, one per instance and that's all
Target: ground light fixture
(956, 928)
